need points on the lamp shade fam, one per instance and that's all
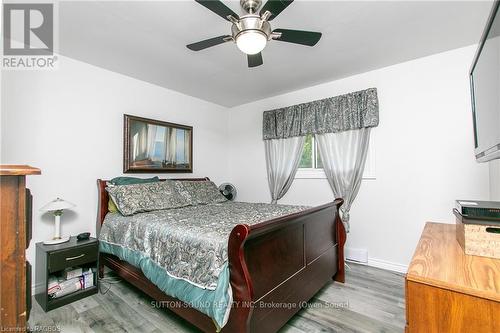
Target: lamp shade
(251, 41)
(57, 204)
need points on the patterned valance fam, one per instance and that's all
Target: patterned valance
(335, 114)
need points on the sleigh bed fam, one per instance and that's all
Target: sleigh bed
(274, 267)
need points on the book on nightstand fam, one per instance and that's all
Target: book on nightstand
(72, 280)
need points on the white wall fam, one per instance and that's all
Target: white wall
(424, 153)
(68, 122)
(495, 180)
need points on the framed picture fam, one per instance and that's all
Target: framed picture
(153, 146)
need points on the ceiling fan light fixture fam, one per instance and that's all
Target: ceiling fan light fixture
(251, 31)
(251, 41)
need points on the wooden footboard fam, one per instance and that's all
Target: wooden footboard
(278, 265)
(275, 267)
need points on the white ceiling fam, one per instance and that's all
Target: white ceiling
(146, 40)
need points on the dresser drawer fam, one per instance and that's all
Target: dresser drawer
(60, 260)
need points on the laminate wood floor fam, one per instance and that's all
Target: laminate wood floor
(371, 300)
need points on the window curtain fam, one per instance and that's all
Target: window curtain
(140, 141)
(151, 141)
(341, 125)
(282, 161)
(344, 156)
(171, 146)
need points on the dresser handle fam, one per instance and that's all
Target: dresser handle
(77, 257)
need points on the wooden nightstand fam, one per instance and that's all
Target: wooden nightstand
(53, 259)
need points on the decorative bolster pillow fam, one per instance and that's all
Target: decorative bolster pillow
(203, 192)
(136, 198)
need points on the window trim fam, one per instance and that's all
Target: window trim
(310, 173)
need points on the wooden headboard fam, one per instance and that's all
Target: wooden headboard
(103, 198)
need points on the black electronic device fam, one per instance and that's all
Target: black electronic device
(83, 236)
(481, 210)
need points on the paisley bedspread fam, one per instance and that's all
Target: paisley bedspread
(183, 251)
(189, 243)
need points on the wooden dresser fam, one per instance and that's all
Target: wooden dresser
(448, 291)
(15, 234)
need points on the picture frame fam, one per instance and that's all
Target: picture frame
(154, 146)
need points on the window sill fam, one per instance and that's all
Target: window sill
(320, 174)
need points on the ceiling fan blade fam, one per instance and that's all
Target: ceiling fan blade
(275, 7)
(255, 60)
(308, 38)
(218, 8)
(208, 43)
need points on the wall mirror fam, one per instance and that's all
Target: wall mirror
(153, 146)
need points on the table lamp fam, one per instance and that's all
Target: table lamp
(57, 206)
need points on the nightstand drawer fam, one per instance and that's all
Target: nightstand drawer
(80, 255)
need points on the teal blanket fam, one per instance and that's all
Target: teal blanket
(214, 303)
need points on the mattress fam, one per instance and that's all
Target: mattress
(183, 251)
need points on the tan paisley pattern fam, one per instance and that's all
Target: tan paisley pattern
(136, 198)
(190, 242)
(203, 193)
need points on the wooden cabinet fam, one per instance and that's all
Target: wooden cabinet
(15, 231)
(448, 291)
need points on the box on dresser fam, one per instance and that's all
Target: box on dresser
(478, 237)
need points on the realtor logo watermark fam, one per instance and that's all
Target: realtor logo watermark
(28, 36)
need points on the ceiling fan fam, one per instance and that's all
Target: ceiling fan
(252, 31)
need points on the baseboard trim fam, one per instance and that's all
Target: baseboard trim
(36, 288)
(356, 254)
(360, 256)
(391, 266)
(382, 264)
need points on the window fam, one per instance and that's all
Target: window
(310, 156)
(311, 166)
